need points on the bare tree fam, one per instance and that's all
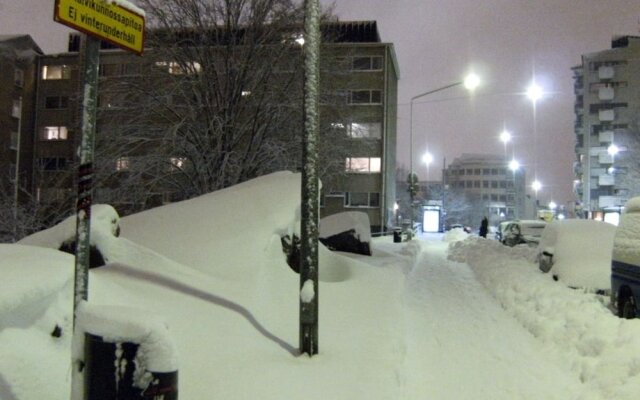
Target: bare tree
(219, 102)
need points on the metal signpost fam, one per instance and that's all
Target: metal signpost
(310, 205)
(124, 27)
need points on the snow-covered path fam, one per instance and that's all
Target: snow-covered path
(462, 345)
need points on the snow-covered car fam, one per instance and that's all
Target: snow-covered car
(523, 232)
(500, 230)
(625, 263)
(577, 252)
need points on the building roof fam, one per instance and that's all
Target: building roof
(19, 44)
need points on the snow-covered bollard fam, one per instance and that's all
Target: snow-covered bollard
(123, 353)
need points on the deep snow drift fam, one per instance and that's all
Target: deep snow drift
(214, 270)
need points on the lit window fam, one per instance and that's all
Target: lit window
(363, 164)
(54, 72)
(54, 133)
(365, 130)
(176, 68)
(123, 163)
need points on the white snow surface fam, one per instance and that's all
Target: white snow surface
(581, 252)
(427, 319)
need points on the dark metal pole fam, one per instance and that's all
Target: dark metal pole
(310, 200)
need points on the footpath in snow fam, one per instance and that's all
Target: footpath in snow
(462, 345)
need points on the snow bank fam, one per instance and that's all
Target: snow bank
(455, 235)
(104, 230)
(227, 233)
(603, 350)
(17, 292)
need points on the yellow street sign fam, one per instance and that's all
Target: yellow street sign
(105, 19)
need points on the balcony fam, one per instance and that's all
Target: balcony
(606, 115)
(606, 93)
(605, 158)
(606, 180)
(606, 72)
(610, 201)
(605, 137)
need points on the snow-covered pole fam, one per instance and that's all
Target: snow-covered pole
(85, 171)
(310, 200)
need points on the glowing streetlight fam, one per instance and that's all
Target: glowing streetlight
(534, 92)
(514, 165)
(613, 149)
(505, 136)
(536, 186)
(552, 205)
(471, 82)
(427, 159)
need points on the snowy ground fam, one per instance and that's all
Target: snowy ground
(475, 320)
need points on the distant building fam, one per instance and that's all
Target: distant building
(366, 82)
(488, 187)
(607, 127)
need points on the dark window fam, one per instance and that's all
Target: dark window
(53, 163)
(56, 102)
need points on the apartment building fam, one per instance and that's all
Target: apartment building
(363, 77)
(489, 187)
(18, 65)
(607, 127)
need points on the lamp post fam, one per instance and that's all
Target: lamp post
(470, 83)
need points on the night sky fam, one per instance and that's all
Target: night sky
(509, 43)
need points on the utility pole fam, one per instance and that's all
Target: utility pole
(310, 206)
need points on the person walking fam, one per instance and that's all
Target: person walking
(484, 227)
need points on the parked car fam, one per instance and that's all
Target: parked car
(625, 263)
(577, 252)
(500, 230)
(523, 232)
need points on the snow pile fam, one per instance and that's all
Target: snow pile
(603, 350)
(229, 231)
(35, 321)
(104, 231)
(455, 235)
(231, 302)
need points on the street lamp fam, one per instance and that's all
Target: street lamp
(536, 186)
(471, 82)
(514, 165)
(505, 137)
(534, 92)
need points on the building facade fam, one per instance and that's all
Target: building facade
(607, 110)
(363, 76)
(481, 185)
(18, 66)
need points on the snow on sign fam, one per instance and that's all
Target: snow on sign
(115, 21)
